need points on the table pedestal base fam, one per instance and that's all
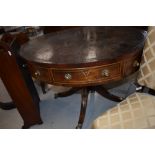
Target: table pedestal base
(84, 97)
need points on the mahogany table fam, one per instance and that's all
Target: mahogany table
(85, 58)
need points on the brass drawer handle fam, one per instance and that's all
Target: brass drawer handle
(105, 72)
(68, 76)
(37, 73)
(136, 63)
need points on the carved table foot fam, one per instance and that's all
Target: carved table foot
(7, 106)
(103, 92)
(84, 98)
(79, 126)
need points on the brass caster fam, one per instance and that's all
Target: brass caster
(121, 98)
(79, 126)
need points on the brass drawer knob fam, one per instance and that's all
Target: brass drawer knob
(105, 72)
(136, 63)
(24, 65)
(68, 76)
(37, 73)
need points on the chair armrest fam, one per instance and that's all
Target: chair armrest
(144, 89)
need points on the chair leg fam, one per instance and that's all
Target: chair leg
(7, 106)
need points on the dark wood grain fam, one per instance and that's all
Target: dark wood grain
(85, 53)
(84, 99)
(83, 45)
(18, 82)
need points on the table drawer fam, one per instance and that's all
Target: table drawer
(87, 75)
(131, 65)
(39, 73)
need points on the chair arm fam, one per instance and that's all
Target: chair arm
(144, 89)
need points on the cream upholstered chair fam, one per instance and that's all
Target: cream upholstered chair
(137, 110)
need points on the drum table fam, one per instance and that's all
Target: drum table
(85, 58)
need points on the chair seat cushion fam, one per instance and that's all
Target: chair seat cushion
(136, 111)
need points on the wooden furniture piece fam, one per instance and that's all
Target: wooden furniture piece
(137, 110)
(8, 38)
(51, 29)
(85, 59)
(17, 79)
(7, 105)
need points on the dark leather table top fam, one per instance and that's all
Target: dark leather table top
(83, 45)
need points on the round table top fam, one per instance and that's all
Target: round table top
(83, 45)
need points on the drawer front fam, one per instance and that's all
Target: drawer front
(39, 73)
(131, 65)
(87, 75)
